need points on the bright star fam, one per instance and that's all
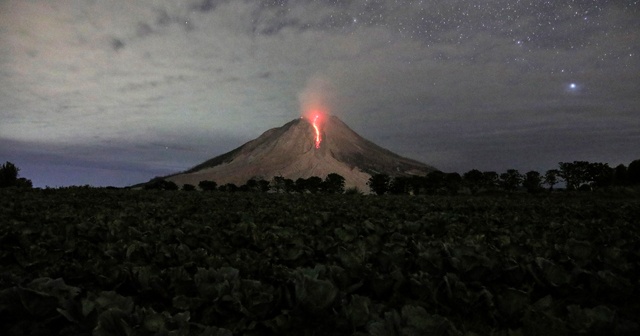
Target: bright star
(573, 87)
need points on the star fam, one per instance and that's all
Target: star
(573, 87)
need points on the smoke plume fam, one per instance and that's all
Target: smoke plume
(317, 98)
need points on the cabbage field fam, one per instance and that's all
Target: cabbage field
(82, 261)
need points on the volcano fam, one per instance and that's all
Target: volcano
(295, 151)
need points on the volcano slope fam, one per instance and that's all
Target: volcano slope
(289, 151)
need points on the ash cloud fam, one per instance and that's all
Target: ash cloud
(318, 97)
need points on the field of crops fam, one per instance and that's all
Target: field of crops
(124, 262)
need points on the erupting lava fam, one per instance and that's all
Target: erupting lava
(315, 103)
(316, 127)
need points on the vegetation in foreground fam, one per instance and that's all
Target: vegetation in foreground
(154, 262)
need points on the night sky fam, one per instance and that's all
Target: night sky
(116, 92)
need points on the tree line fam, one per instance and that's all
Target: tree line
(332, 184)
(576, 175)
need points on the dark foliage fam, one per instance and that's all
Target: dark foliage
(159, 183)
(80, 261)
(633, 173)
(9, 177)
(208, 185)
(333, 184)
(379, 183)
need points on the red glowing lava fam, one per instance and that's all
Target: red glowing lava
(316, 127)
(316, 118)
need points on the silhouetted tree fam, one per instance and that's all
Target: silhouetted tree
(417, 184)
(453, 183)
(159, 183)
(264, 185)
(313, 184)
(301, 184)
(289, 185)
(229, 187)
(633, 172)
(188, 187)
(278, 183)
(532, 181)
(473, 180)
(599, 175)
(208, 185)
(434, 182)
(551, 178)
(583, 174)
(399, 185)
(574, 173)
(379, 183)
(620, 175)
(9, 177)
(490, 180)
(250, 185)
(511, 180)
(24, 183)
(333, 184)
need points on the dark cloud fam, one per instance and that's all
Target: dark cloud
(144, 30)
(117, 44)
(207, 5)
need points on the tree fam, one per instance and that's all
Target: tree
(399, 185)
(574, 173)
(229, 187)
(264, 185)
(313, 184)
(579, 174)
(208, 185)
(453, 181)
(511, 180)
(24, 183)
(250, 185)
(490, 180)
(473, 179)
(532, 181)
(416, 184)
(289, 185)
(379, 183)
(434, 182)
(301, 184)
(551, 178)
(158, 183)
(278, 183)
(188, 187)
(633, 172)
(333, 184)
(169, 185)
(599, 175)
(620, 175)
(9, 177)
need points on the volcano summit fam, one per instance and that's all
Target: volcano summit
(303, 148)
